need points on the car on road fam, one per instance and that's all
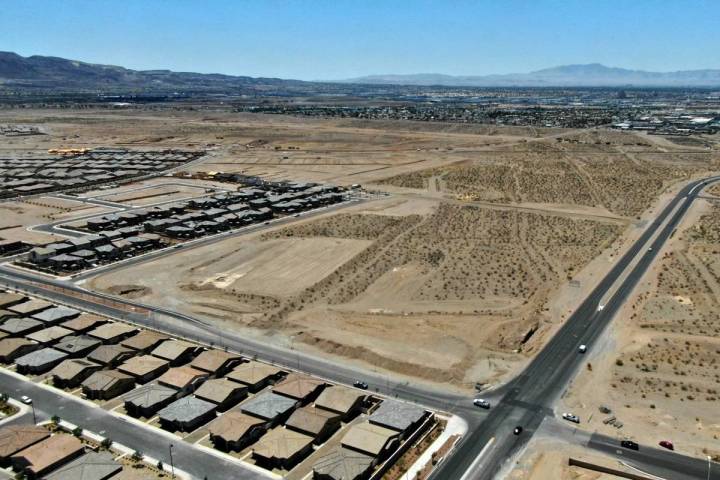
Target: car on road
(601, 307)
(630, 445)
(667, 444)
(650, 249)
(482, 403)
(26, 400)
(360, 384)
(517, 430)
(571, 417)
(582, 348)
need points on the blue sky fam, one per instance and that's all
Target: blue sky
(336, 39)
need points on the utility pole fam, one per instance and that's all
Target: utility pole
(32, 404)
(172, 465)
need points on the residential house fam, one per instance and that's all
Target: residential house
(73, 371)
(216, 362)
(77, 345)
(31, 307)
(148, 399)
(107, 384)
(234, 431)
(269, 406)
(223, 392)
(400, 416)
(184, 379)
(14, 347)
(144, 367)
(14, 438)
(255, 375)
(145, 341)
(317, 423)
(303, 388)
(342, 400)
(49, 336)
(342, 464)
(90, 466)
(84, 323)
(39, 361)
(281, 448)
(46, 455)
(19, 326)
(113, 332)
(55, 315)
(177, 352)
(372, 440)
(110, 355)
(186, 414)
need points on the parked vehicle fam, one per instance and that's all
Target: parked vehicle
(667, 444)
(26, 400)
(571, 418)
(518, 430)
(582, 348)
(360, 384)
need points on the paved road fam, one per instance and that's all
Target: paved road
(529, 398)
(526, 401)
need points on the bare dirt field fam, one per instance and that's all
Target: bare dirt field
(660, 372)
(478, 252)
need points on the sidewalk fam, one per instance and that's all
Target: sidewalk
(455, 426)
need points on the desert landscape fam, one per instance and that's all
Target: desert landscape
(499, 227)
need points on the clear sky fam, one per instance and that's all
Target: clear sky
(337, 39)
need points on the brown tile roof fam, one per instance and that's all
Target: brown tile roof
(9, 298)
(31, 306)
(233, 425)
(142, 365)
(49, 452)
(252, 372)
(68, 369)
(297, 385)
(342, 464)
(84, 322)
(218, 389)
(310, 420)
(368, 438)
(108, 353)
(144, 340)
(104, 380)
(8, 346)
(14, 438)
(49, 334)
(171, 350)
(281, 443)
(111, 330)
(212, 360)
(338, 398)
(181, 377)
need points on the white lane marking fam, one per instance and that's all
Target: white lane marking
(475, 463)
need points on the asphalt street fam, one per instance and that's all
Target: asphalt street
(525, 401)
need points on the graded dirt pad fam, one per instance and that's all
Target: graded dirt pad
(468, 282)
(661, 375)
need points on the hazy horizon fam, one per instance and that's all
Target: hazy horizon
(341, 40)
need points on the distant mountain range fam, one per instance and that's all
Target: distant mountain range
(54, 73)
(40, 73)
(591, 75)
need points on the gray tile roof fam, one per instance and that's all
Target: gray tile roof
(268, 405)
(91, 466)
(56, 314)
(77, 343)
(40, 357)
(149, 395)
(186, 409)
(396, 415)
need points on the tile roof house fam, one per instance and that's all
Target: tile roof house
(184, 379)
(400, 416)
(300, 387)
(14, 438)
(55, 315)
(21, 326)
(342, 464)
(113, 332)
(7, 314)
(343, 400)
(46, 455)
(176, 352)
(39, 361)
(372, 440)
(84, 322)
(234, 431)
(255, 375)
(110, 355)
(144, 341)
(269, 406)
(281, 448)
(91, 466)
(216, 362)
(31, 307)
(77, 345)
(148, 399)
(186, 414)
(71, 372)
(50, 335)
(223, 392)
(14, 347)
(8, 299)
(317, 423)
(107, 384)
(144, 367)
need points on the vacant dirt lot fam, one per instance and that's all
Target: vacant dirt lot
(661, 373)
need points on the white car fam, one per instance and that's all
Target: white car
(571, 418)
(582, 348)
(26, 400)
(479, 402)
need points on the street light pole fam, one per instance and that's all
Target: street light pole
(709, 465)
(172, 465)
(32, 404)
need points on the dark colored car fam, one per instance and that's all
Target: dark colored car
(629, 444)
(518, 430)
(667, 444)
(360, 384)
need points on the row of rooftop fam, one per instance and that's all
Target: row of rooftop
(34, 175)
(117, 236)
(280, 417)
